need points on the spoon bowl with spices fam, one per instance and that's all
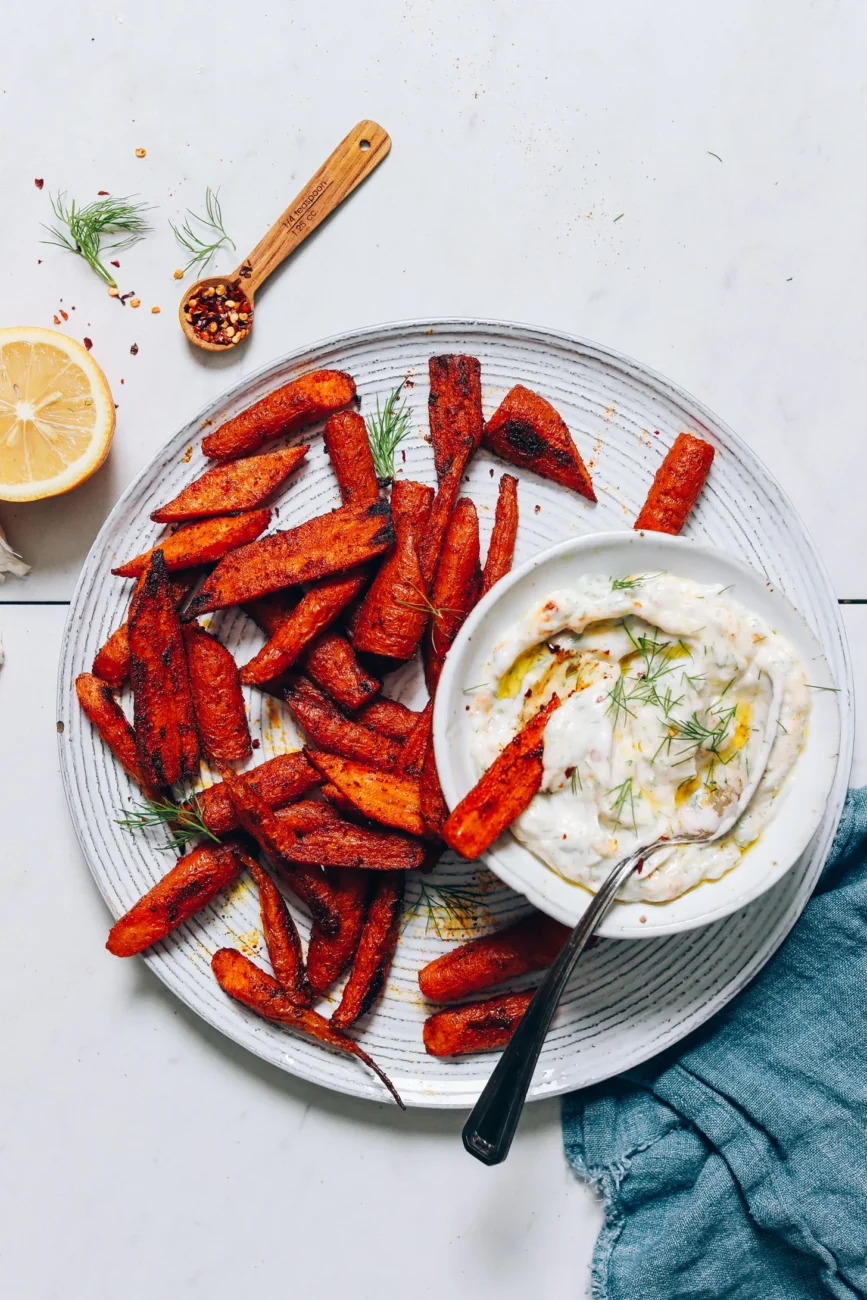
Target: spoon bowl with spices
(217, 312)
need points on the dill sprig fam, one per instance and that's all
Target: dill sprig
(698, 735)
(446, 907)
(386, 428)
(623, 795)
(183, 822)
(85, 230)
(628, 584)
(203, 243)
(618, 706)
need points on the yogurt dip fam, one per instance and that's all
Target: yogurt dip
(666, 688)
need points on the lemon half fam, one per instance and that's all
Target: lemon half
(56, 414)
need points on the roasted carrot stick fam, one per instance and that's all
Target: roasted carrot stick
(111, 662)
(269, 612)
(456, 588)
(416, 744)
(432, 804)
(333, 665)
(243, 980)
(185, 890)
(327, 728)
(526, 431)
(238, 485)
(316, 833)
(529, 945)
(503, 792)
(375, 950)
(316, 611)
(501, 548)
(677, 485)
(278, 781)
(287, 409)
(167, 740)
(384, 797)
(479, 1027)
(202, 542)
(454, 408)
(431, 544)
(262, 823)
(329, 955)
(281, 936)
(347, 444)
(332, 543)
(110, 721)
(217, 698)
(388, 717)
(392, 619)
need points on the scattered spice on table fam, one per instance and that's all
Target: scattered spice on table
(88, 343)
(220, 313)
(39, 183)
(134, 349)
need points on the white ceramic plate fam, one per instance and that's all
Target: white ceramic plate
(629, 999)
(617, 555)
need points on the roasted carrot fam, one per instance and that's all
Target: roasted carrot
(110, 721)
(332, 543)
(201, 543)
(501, 547)
(238, 485)
(281, 936)
(287, 409)
(111, 662)
(456, 588)
(375, 950)
(260, 821)
(316, 611)
(416, 744)
(384, 797)
(316, 833)
(677, 485)
(526, 431)
(431, 544)
(454, 408)
(503, 792)
(432, 804)
(269, 612)
(333, 665)
(218, 702)
(392, 619)
(389, 717)
(327, 728)
(478, 1027)
(167, 740)
(529, 945)
(348, 447)
(247, 983)
(190, 885)
(278, 781)
(328, 955)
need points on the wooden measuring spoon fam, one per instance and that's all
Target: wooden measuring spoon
(353, 159)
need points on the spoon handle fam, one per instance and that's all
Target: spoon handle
(353, 160)
(491, 1126)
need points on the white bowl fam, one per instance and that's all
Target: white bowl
(618, 555)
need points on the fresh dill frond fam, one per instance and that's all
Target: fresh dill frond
(386, 428)
(626, 584)
(203, 243)
(183, 822)
(623, 795)
(618, 705)
(575, 779)
(812, 687)
(445, 908)
(723, 590)
(468, 690)
(86, 230)
(694, 679)
(698, 735)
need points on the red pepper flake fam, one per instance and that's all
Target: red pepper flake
(220, 314)
(101, 193)
(536, 509)
(113, 263)
(64, 314)
(121, 381)
(39, 261)
(256, 744)
(134, 349)
(56, 320)
(88, 343)
(39, 183)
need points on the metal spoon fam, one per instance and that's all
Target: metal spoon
(488, 1132)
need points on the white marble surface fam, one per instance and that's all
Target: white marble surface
(140, 1151)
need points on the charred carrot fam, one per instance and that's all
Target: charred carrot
(503, 792)
(111, 662)
(392, 619)
(110, 721)
(190, 885)
(238, 485)
(348, 447)
(217, 698)
(526, 431)
(454, 408)
(432, 804)
(329, 955)
(167, 740)
(316, 611)
(431, 544)
(501, 547)
(316, 833)
(201, 543)
(375, 950)
(269, 612)
(333, 665)
(281, 936)
(294, 406)
(384, 797)
(245, 982)
(332, 543)
(456, 588)
(278, 781)
(416, 744)
(479, 1027)
(327, 728)
(677, 485)
(389, 717)
(529, 945)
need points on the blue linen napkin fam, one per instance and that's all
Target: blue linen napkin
(736, 1164)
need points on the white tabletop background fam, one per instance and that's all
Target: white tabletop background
(142, 1153)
